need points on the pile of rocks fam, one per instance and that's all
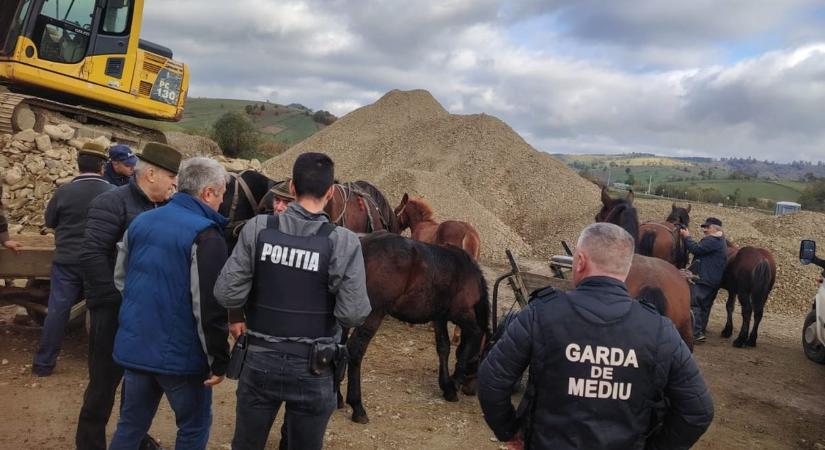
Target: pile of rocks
(34, 164)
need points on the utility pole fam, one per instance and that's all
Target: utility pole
(649, 181)
(609, 174)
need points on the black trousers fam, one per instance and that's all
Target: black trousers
(702, 297)
(104, 377)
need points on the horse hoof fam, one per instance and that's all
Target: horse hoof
(738, 343)
(362, 419)
(726, 333)
(341, 404)
(750, 343)
(469, 388)
(451, 396)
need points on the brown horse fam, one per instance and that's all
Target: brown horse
(750, 275)
(243, 200)
(417, 215)
(651, 279)
(661, 239)
(359, 206)
(418, 283)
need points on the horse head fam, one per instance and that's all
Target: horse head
(620, 212)
(679, 215)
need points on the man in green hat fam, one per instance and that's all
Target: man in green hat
(109, 216)
(66, 215)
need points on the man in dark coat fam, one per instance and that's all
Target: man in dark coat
(172, 334)
(121, 166)
(66, 214)
(604, 368)
(709, 260)
(109, 216)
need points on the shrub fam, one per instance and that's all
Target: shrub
(234, 134)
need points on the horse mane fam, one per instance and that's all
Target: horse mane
(422, 207)
(625, 215)
(387, 212)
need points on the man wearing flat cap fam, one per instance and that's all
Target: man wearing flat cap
(121, 165)
(66, 215)
(110, 214)
(709, 259)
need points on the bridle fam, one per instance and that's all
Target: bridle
(241, 185)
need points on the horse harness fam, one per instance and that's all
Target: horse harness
(368, 203)
(234, 226)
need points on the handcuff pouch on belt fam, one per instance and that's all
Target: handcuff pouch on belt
(323, 356)
(236, 360)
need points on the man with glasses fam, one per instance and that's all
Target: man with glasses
(709, 259)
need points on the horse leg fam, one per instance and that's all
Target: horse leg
(747, 309)
(442, 346)
(758, 309)
(357, 348)
(728, 330)
(467, 356)
(344, 338)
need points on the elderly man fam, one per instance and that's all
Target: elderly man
(709, 260)
(110, 214)
(66, 214)
(121, 165)
(172, 334)
(602, 365)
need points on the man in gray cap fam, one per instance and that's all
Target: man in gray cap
(709, 260)
(109, 216)
(66, 214)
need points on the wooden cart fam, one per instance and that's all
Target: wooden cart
(27, 277)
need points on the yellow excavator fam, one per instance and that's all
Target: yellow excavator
(69, 60)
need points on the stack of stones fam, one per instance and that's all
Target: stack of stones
(33, 165)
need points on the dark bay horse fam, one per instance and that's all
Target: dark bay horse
(243, 200)
(661, 239)
(750, 275)
(417, 215)
(360, 207)
(651, 278)
(419, 283)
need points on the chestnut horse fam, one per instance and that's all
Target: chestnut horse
(360, 207)
(661, 239)
(417, 215)
(750, 275)
(651, 279)
(418, 283)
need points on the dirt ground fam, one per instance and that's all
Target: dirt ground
(770, 396)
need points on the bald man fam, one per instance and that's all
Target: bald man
(606, 371)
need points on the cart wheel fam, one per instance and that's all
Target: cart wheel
(814, 350)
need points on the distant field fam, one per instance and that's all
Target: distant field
(651, 161)
(759, 189)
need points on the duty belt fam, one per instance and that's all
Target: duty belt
(291, 348)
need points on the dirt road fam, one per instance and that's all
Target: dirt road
(766, 397)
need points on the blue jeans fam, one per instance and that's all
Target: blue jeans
(66, 289)
(189, 398)
(271, 378)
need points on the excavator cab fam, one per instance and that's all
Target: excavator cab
(88, 52)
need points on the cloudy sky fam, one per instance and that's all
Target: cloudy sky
(698, 77)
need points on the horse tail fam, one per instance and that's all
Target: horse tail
(482, 309)
(645, 245)
(762, 283)
(655, 296)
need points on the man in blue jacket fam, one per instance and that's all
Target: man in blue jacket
(606, 371)
(172, 335)
(709, 260)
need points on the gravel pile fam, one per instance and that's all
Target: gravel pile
(473, 168)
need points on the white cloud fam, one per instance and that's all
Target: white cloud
(568, 91)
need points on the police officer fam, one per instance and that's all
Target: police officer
(302, 277)
(600, 363)
(709, 260)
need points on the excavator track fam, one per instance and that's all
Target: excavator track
(19, 112)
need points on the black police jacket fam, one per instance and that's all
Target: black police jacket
(601, 364)
(110, 214)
